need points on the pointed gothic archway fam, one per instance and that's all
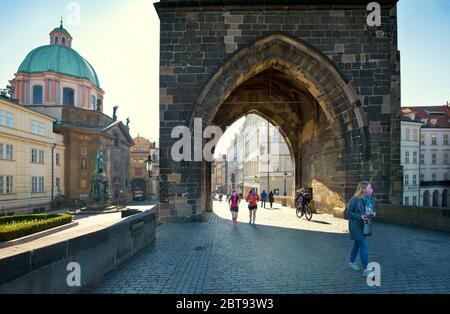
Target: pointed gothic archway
(295, 87)
(340, 77)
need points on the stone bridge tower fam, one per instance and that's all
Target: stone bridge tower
(315, 68)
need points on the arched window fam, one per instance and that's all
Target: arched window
(64, 40)
(426, 198)
(436, 198)
(56, 39)
(93, 101)
(445, 199)
(68, 96)
(37, 94)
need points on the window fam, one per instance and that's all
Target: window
(276, 136)
(415, 135)
(414, 179)
(433, 159)
(58, 185)
(445, 159)
(422, 139)
(63, 40)
(138, 172)
(445, 176)
(414, 157)
(37, 184)
(407, 157)
(433, 177)
(426, 198)
(6, 119)
(57, 159)
(445, 139)
(9, 119)
(408, 134)
(433, 139)
(6, 152)
(422, 159)
(56, 39)
(6, 184)
(92, 102)
(33, 155)
(422, 177)
(406, 179)
(37, 156)
(406, 200)
(37, 94)
(68, 96)
(83, 184)
(37, 128)
(9, 152)
(414, 200)
(41, 156)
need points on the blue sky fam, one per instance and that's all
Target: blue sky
(120, 38)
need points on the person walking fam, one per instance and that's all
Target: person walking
(263, 198)
(234, 201)
(360, 212)
(252, 199)
(271, 198)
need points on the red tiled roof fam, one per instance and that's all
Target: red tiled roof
(427, 113)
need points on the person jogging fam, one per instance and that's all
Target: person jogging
(252, 199)
(234, 201)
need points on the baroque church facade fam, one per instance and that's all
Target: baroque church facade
(57, 81)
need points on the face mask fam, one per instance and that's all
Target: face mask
(369, 191)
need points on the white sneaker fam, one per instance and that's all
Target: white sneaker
(367, 272)
(353, 266)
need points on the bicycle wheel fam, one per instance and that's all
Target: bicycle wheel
(299, 212)
(308, 213)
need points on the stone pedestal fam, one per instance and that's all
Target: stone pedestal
(99, 196)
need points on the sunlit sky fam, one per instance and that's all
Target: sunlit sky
(120, 38)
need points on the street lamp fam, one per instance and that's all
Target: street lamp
(149, 165)
(285, 178)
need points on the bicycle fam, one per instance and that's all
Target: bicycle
(302, 206)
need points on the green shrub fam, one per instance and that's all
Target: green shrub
(13, 227)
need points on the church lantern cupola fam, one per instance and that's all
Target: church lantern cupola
(60, 36)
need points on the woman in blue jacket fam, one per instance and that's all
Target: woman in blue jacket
(359, 211)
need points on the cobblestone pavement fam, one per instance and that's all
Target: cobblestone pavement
(280, 254)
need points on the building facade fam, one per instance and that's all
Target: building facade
(410, 158)
(144, 184)
(220, 175)
(434, 164)
(57, 81)
(259, 157)
(32, 160)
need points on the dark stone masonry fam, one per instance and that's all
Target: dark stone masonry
(313, 68)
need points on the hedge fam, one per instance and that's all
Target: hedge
(13, 227)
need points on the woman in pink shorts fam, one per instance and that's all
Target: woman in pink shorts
(234, 201)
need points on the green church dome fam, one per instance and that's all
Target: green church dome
(59, 59)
